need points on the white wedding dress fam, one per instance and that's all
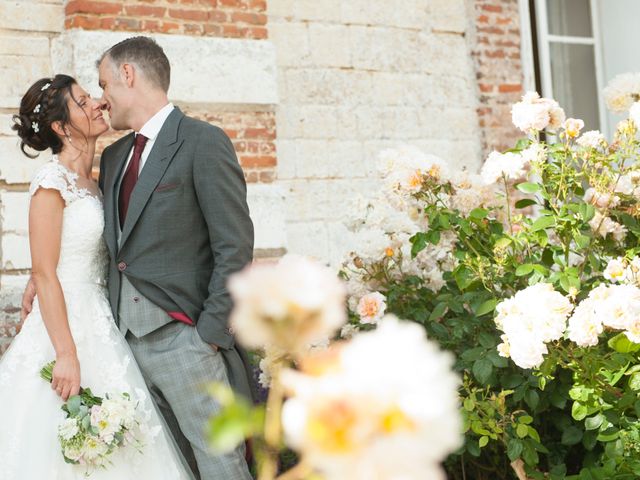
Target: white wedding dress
(29, 409)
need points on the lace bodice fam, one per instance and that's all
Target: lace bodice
(83, 253)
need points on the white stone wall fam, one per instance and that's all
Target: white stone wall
(27, 29)
(356, 77)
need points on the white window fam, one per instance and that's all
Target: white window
(573, 48)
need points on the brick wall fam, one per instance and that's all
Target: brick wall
(219, 18)
(495, 38)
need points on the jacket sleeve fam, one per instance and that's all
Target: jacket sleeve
(222, 197)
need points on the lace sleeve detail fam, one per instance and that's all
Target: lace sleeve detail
(52, 175)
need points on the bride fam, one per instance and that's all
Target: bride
(71, 321)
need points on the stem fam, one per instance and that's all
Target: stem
(300, 471)
(269, 467)
(506, 192)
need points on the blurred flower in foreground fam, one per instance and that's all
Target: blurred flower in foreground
(382, 406)
(296, 303)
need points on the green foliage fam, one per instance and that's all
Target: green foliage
(575, 417)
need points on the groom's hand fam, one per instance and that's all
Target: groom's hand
(27, 301)
(214, 346)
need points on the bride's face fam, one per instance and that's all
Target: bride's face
(85, 115)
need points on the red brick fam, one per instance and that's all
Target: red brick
(258, 5)
(231, 3)
(485, 88)
(87, 6)
(197, 15)
(491, 30)
(258, 162)
(510, 87)
(167, 27)
(84, 22)
(258, 33)
(491, 8)
(193, 28)
(251, 177)
(259, 133)
(267, 176)
(129, 24)
(217, 16)
(145, 11)
(495, 53)
(213, 30)
(250, 18)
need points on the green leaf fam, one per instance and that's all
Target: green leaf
(469, 404)
(483, 441)
(524, 269)
(522, 431)
(73, 405)
(593, 423)
(486, 307)
(528, 187)
(543, 223)
(634, 381)
(482, 370)
(571, 436)
(478, 213)
(419, 243)
(525, 202)
(514, 449)
(532, 399)
(620, 343)
(439, 311)
(579, 411)
(512, 380)
(525, 419)
(533, 433)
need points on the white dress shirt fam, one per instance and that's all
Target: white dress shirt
(149, 130)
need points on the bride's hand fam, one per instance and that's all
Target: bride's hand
(66, 376)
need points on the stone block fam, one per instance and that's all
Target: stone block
(266, 203)
(291, 42)
(15, 252)
(330, 45)
(18, 73)
(309, 238)
(14, 166)
(14, 209)
(205, 70)
(448, 15)
(31, 16)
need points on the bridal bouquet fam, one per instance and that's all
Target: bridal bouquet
(95, 427)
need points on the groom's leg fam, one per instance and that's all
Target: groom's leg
(181, 369)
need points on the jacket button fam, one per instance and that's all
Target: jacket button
(122, 266)
(136, 299)
(230, 330)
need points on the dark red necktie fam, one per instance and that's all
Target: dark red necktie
(130, 177)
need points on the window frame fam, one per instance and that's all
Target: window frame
(536, 57)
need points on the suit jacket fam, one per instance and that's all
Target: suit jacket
(187, 228)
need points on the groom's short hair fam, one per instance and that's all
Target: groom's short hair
(146, 54)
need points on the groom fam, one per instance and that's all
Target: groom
(176, 226)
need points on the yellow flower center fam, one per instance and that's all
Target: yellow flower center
(388, 252)
(370, 307)
(394, 420)
(330, 428)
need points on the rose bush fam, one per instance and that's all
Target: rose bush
(528, 273)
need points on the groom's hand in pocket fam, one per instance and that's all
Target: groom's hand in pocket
(27, 301)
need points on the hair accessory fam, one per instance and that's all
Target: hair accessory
(35, 127)
(37, 109)
(46, 85)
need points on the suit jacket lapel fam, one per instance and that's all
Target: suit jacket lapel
(163, 151)
(111, 193)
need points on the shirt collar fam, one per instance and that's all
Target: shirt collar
(154, 124)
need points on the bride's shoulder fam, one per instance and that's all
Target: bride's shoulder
(50, 175)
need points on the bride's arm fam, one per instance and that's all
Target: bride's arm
(45, 231)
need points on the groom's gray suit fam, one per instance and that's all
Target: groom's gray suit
(187, 229)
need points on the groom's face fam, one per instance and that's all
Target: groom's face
(115, 94)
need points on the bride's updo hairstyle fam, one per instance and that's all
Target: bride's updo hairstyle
(44, 103)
